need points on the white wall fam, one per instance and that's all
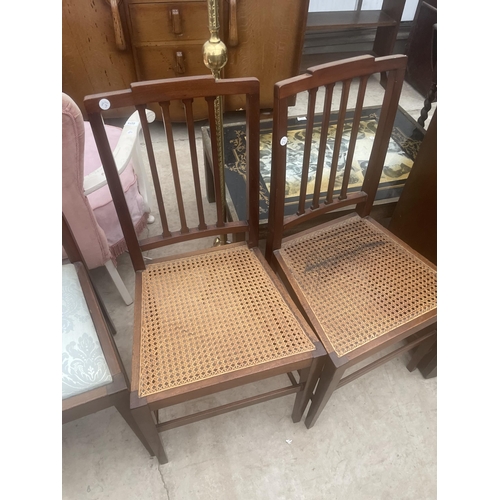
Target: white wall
(327, 5)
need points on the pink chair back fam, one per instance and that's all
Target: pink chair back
(75, 205)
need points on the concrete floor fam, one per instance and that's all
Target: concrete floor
(376, 439)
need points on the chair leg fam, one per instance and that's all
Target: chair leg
(122, 404)
(105, 313)
(310, 377)
(146, 422)
(117, 280)
(328, 382)
(420, 352)
(428, 364)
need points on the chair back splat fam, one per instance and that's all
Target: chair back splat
(163, 92)
(207, 318)
(330, 192)
(364, 291)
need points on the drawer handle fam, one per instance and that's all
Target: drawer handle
(176, 21)
(117, 24)
(233, 25)
(179, 63)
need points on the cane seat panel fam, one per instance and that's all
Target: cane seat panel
(359, 282)
(211, 314)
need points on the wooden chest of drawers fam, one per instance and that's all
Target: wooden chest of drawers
(167, 41)
(164, 39)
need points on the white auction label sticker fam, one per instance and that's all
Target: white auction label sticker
(104, 104)
(283, 140)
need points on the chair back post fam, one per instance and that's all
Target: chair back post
(115, 187)
(252, 166)
(278, 174)
(371, 181)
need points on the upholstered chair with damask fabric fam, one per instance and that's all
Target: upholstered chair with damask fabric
(93, 375)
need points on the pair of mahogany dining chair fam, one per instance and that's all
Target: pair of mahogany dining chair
(320, 301)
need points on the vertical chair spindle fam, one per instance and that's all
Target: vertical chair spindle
(338, 139)
(311, 106)
(353, 138)
(167, 122)
(154, 170)
(322, 144)
(188, 107)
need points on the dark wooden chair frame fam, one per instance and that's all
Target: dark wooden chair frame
(420, 329)
(117, 393)
(145, 409)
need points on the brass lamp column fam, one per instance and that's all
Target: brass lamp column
(215, 58)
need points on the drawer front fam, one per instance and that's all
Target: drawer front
(167, 22)
(170, 61)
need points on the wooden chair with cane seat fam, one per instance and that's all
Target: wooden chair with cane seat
(362, 289)
(215, 318)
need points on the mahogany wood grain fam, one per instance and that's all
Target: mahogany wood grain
(311, 106)
(421, 326)
(379, 362)
(224, 382)
(140, 95)
(322, 144)
(371, 180)
(220, 410)
(428, 364)
(173, 163)
(352, 143)
(346, 85)
(253, 155)
(424, 357)
(327, 75)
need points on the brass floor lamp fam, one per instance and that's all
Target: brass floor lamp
(215, 58)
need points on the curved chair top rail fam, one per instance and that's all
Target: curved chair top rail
(152, 91)
(337, 71)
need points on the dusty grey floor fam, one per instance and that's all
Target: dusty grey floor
(376, 439)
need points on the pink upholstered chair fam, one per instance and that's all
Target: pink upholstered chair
(86, 200)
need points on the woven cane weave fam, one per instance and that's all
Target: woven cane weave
(359, 283)
(209, 315)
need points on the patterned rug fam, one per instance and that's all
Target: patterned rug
(405, 141)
